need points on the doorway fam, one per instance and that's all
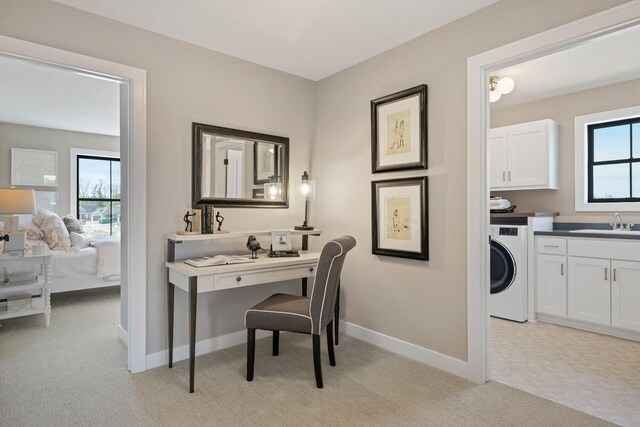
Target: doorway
(132, 83)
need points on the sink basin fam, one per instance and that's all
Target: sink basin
(596, 231)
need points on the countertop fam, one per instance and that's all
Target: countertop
(563, 229)
(522, 214)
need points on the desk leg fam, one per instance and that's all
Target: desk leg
(193, 299)
(171, 292)
(305, 246)
(337, 313)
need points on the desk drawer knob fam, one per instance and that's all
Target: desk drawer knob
(238, 279)
(311, 269)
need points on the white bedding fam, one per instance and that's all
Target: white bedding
(92, 267)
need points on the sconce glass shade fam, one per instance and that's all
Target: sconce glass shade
(494, 95)
(273, 191)
(305, 189)
(505, 85)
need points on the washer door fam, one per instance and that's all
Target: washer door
(503, 267)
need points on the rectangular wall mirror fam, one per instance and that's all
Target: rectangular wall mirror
(237, 168)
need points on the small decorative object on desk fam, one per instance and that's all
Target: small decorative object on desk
(219, 220)
(280, 240)
(209, 261)
(254, 246)
(188, 229)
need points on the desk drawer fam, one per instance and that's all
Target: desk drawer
(236, 280)
(551, 245)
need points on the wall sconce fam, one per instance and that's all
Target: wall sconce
(499, 86)
(305, 190)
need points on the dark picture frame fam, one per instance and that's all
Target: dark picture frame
(399, 131)
(260, 177)
(394, 219)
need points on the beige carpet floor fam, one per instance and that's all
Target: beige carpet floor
(593, 373)
(74, 374)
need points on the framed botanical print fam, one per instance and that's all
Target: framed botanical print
(399, 218)
(399, 131)
(265, 162)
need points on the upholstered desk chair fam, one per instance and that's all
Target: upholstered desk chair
(283, 312)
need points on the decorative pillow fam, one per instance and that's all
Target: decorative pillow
(32, 230)
(78, 240)
(72, 224)
(52, 226)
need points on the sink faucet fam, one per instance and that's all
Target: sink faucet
(620, 225)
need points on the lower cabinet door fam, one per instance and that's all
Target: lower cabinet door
(589, 290)
(625, 295)
(551, 284)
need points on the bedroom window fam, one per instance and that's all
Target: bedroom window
(98, 194)
(608, 161)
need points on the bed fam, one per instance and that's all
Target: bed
(79, 261)
(95, 266)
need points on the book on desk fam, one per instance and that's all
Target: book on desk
(209, 261)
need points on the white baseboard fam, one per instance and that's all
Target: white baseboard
(161, 358)
(123, 336)
(412, 351)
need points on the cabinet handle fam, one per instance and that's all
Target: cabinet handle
(550, 246)
(606, 273)
(509, 175)
(238, 279)
(614, 274)
(562, 269)
(504, 175)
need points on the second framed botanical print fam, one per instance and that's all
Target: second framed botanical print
(399, 218)
(399, 131)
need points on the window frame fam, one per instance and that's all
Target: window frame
(584, 163)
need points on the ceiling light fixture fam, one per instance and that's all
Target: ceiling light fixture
(499, 86)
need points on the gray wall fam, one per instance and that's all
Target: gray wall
(564, 109)
(420, 302)
(36, 138)
(424, 303)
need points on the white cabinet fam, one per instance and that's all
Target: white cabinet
(524, 156)
(625, 294)
(551, 284)
(596, 281)
(589, 290)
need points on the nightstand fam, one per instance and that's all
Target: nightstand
(40, 302)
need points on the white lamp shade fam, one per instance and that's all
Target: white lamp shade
(17, 201)
(494, 95)
(306, 189)
(505, 85)
(273, 191)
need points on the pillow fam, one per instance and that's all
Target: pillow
(72, 224)
(55, 233)
(32, 230)
(78, 240)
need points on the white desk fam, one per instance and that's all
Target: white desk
(196, 280)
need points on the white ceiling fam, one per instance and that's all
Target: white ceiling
(600, 62)
(308, 38)
(38, 95)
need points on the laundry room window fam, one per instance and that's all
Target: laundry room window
(608, 161)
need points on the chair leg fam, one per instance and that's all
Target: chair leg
(317, 362)
(276, 342)
(332, 355)
(251, 352)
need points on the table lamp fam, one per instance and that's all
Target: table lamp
(14, 201)
(305, 190)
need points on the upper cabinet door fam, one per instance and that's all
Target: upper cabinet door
(498, 157)
(531, 156)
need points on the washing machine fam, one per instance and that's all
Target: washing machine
(508, 299)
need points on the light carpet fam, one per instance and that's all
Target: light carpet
(74, 373)
(594, 373)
